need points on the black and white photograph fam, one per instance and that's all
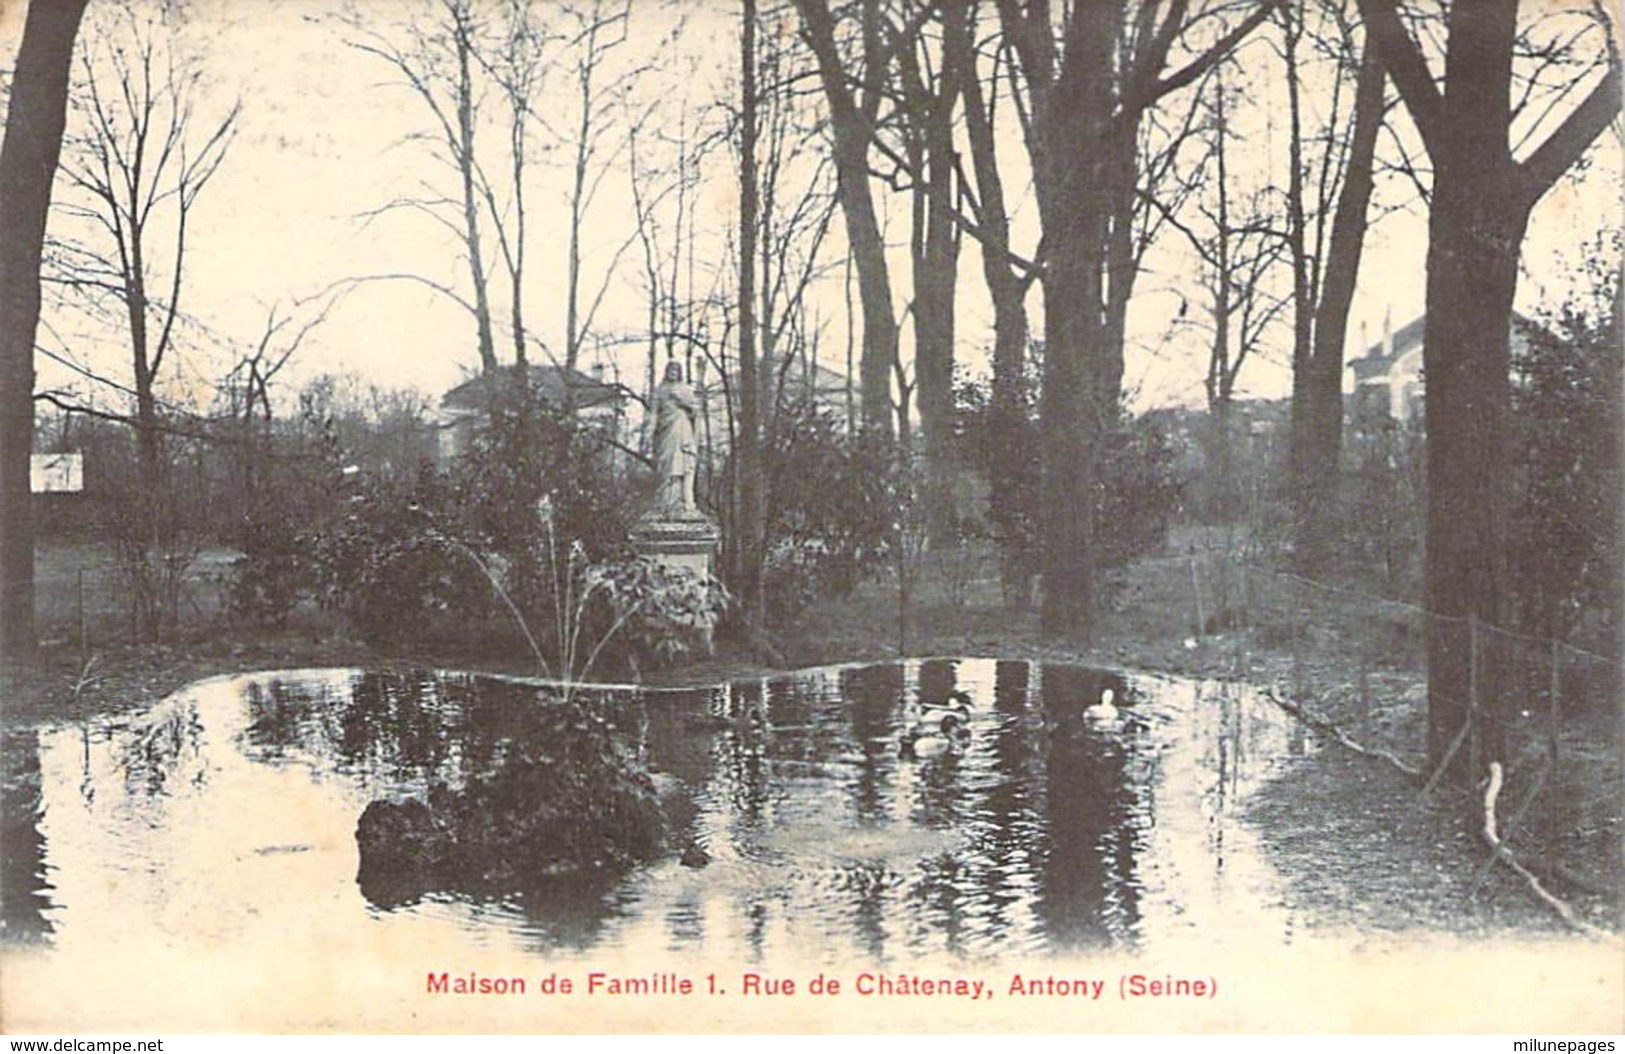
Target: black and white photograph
(812, 516)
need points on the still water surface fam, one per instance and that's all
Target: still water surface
(227, 816)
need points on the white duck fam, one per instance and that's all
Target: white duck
(1103, 712)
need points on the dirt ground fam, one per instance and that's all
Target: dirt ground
(1360, 846)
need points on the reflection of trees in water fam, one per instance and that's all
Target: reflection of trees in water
(166, 753)
(23, 883)
(1230, 753)
(415, 727)
(527, 800)
(941, 790)
(285, 717)
(740, 768)
(1089, 892)
(1087, 860)
(1006, 839)
(1048, 816)
(1236, 744)
(1044, 821)
(871, 697)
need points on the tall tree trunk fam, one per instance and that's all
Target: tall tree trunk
(749, 518)
(147, 438)
(1122, 267)
(1086, 115)
(1303, 293)
(851, 132)
(935, 280)
(1317, 382)
(1476, 223)
(1466, 357)
(1071, 178)
(28, 160)
(1219, 375)
(471, 208)
(1007, 293)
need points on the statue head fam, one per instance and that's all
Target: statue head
(674, 370)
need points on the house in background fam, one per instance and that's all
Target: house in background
(1388, 377)
(795, 382)
(1388, 380)
(464, 408)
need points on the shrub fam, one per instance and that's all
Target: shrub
(1568, 560)
(556, 794)
(1137, 494)
(265, 584)
(831, 507)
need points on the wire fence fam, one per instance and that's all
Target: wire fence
(85, 595)
(1532, 723)
(1547, 708)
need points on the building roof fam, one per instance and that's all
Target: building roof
(1409, 336)
(1374, 363)
(825, 381)
(551, 382)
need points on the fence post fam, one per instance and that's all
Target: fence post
(79, 613)
(1555, 722)
(1244, 614)
(1553, 729)
(1363, 687)
(1474, 746)
(1196, 591)
(1298, 620)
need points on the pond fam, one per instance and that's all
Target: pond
(222, 824)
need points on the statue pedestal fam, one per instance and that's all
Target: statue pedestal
(678, 539)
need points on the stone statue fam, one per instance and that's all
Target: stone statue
(674, 445)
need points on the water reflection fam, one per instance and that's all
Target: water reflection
(24, 889)
(795, 825)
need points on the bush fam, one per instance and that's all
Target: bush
(1137, 495)
(1567, 561)
(831, 505)
(266, 583)
(505, 535)
(558, 795)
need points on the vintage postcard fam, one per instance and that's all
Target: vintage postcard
(644, 516)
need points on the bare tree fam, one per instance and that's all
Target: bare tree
(518, 66)
(853, 111)
(1008, 280)
(927, 74)
(1481, 199)
(140, 162)
(1089, 74)
(136, 173)
(1240, 244)
(36, 116)
(749, 548)
(1326, 225)
(250, 410)
(437, 59)
(597, 30)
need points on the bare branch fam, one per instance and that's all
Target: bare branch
(1564, 147)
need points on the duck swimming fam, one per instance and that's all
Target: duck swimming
(946, 732)
(956, 702)
(1103, 711)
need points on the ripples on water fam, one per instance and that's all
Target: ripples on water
(229, 812)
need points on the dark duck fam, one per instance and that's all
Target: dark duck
(937, 727)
